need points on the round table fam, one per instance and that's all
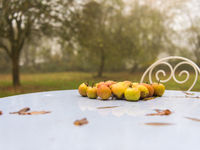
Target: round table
(117, 128)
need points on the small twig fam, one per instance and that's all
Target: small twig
(158, 124)
(194, 119)
(106, 107)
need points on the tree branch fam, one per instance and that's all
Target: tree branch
(19, 29)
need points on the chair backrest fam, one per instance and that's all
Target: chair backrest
(165, 61)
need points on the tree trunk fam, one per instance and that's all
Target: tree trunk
(15, 71)
(102, 62)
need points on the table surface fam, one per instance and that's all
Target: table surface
(120, 128)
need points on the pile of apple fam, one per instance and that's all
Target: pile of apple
(121, 90)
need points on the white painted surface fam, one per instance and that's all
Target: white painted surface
(120, 128)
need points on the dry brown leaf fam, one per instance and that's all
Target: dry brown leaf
(81, 122)
(160, 112)
(106, 107)
(21, 111)
(35, 113)
(194, 119)
(1, 113)
(158, 124)
(25, 110)
(149, 98)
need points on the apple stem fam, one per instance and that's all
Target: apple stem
(87, 83)
(159, 81)
(92, 84)
(131, 85)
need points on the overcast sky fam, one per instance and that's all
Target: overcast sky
(185, 9)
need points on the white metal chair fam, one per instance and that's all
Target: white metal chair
(165, 61)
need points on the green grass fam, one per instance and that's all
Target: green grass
(70, 80)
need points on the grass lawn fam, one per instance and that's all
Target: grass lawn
(70, 80)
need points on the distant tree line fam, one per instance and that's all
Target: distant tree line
(93, 36)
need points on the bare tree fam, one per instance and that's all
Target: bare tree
(20, 19)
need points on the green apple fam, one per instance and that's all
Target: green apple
(159, 89)
(83, 89)
(132, 94)
(92, 92)
(144, 92)
(118, 90)
(104, 92)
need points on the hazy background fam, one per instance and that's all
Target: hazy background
(57, 44)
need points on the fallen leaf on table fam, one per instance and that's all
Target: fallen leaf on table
(106, 107)
(81, 122)
(194, 119)
(158, 124)
(35, 113)
(160, 112)
(1, 113)
(25, 111)
(21, 111)
(149, 98)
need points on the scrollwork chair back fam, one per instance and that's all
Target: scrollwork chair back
(165, 61)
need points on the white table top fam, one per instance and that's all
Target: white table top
(120, 128)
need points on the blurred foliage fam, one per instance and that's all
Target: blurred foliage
(21, 21)
(90, 36)
(5, 62)
(194, 39)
